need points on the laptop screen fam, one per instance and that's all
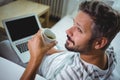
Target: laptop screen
(22, 27)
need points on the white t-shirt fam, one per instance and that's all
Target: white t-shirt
(68, 66)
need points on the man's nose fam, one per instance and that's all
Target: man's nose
(70, 31)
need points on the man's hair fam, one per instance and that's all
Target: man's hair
(106, 19)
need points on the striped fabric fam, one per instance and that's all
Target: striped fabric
(68, 66)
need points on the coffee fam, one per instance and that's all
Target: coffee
(48, 35)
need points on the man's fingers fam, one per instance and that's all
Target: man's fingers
(52, 44)
(39, 32)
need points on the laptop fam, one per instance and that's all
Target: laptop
(19, 30)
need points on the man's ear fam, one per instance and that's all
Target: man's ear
(100, 42)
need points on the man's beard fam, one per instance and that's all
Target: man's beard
(86, 49)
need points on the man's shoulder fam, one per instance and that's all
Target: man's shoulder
(59, 54)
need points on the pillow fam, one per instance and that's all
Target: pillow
(7, 52)
(59, 29)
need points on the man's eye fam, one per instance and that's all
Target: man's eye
(79, 29)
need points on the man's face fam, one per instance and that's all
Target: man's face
(79, 35)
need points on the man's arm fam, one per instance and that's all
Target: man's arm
(30, 71)
(37, 49)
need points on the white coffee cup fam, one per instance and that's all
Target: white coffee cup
(48, 35)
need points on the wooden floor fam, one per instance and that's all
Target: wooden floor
(3, 35)
(52, 21)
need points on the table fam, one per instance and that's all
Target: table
(12, 71)
(23, 7)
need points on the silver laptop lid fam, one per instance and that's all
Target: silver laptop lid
(21, 26)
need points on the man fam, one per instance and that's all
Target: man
(95, 26)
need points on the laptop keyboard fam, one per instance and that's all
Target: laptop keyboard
(22, 47)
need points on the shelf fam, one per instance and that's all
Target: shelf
(42, 20)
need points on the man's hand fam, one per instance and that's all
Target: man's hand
(38, 47)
